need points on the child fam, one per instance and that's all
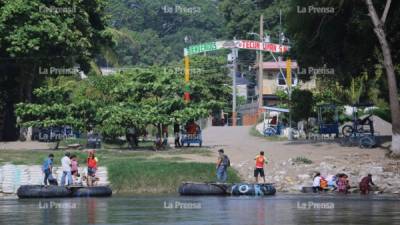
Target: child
(74, 169)
(332, 182)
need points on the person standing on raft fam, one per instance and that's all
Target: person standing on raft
(259, 170)
(66, 167)
(365, 187)
(92, 168)
(48, 169)
(74, 169)
(223, 163)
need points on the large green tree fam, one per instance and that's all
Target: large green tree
(36, 36)
(130, 99)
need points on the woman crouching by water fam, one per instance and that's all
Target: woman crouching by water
(343, 185)
(317, 183)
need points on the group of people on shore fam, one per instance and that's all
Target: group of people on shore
(70, 170)
(340, 183)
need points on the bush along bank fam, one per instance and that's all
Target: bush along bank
(161, 176)
(138, 172)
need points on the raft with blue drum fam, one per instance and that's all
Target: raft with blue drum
(252, 189)
(53, 191)
(192, 188)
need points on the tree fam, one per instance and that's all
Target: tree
(53, 109)
(38, 35)
(111, 105)
(339, 39)
(380, 31)
(162, 28)
(302, 104)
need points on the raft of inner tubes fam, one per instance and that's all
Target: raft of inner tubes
(40, 191)
(190, 188)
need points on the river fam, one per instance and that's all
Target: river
(281, 209)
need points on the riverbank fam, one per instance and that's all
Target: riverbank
(134, 172)
(291, 165)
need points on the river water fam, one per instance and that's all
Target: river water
(280, 209)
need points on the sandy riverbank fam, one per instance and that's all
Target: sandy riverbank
(327, 157)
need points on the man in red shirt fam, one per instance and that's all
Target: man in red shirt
(259, 170)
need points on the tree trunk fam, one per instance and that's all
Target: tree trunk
(10, 131)
(388, 64)
(57, 144)
(393, 96)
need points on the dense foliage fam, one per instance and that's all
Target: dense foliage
(155, 32)
(38, 36)
(130, 99)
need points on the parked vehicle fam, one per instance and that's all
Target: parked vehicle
(359, 124)
(328, 119)
(272, 125)
(188, 139)
(94, 141)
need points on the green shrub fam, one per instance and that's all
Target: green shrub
(159, 176)
(302, 160)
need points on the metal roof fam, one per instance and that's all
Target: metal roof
(275, 109)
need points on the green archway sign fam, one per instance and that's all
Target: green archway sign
(212, 46)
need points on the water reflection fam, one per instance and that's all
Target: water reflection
(281, 209)
(91, 208)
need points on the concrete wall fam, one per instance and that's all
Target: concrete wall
(249, 113)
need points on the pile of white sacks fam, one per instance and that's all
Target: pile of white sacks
(13, 176)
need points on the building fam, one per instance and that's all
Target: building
(274, 79)
(241, 85)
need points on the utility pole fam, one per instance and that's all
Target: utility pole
(234, 69)
(260, 66)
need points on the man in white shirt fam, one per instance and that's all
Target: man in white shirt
(66, 167)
